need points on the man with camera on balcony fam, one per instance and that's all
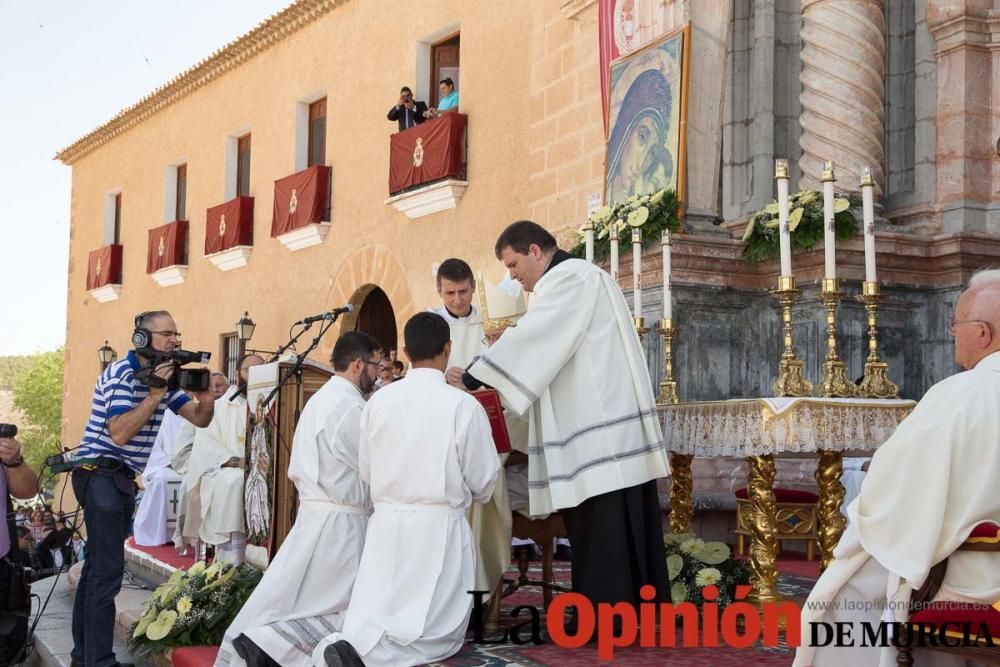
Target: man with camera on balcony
(129, 401)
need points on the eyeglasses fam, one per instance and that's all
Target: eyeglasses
(372, 363)
(952, 323)
(168, 334)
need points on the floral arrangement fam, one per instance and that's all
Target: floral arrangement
(193, 608)
(693, 564)
(650, 213)
(805, 224)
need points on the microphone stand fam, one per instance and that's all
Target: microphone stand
(297, 367)
(277, 355)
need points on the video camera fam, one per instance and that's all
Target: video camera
(189, 379)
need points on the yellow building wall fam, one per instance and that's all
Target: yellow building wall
(360, 54)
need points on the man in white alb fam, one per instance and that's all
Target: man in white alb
(307, 586)
(927, 487)
(575, 367)
(215, 473)
(428, 453)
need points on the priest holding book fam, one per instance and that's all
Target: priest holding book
(575, 367)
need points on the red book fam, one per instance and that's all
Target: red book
(490, 400)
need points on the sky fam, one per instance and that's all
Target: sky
(69, 67)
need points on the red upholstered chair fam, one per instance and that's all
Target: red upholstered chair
(795, 515)
(194, 656)
(985, 537)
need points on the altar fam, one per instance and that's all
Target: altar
(760, 429)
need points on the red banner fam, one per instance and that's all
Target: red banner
(300, 199)
(432, 150)
(167, 246)
(608, 50)
(229, 225)
(104, 267)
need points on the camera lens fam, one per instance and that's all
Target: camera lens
(8, 431)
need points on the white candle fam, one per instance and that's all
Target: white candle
(868, 215)
(636, 273)
(781, 173)
(668, 310)
(830, 238)
(589, 232)
(614, 251)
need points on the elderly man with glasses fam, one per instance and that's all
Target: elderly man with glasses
(927, 488)
(125, 417)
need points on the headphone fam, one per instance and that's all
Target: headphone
(141, 336)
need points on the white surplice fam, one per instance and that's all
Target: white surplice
(428, 453)
(307, 586)
(575, 366)
(214, 492)
(927, 487)
(150, 527)
(466, 336)
(179, 460)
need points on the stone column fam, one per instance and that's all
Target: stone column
(966, 34)
(843, 90)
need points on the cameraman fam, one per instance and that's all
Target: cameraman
(18, 480)
(125, 415)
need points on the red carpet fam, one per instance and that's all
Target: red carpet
(166, 554)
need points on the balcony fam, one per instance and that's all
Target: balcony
(104, 273)
(166, 255)
(302, 208)
(229, 233)
(427, 169)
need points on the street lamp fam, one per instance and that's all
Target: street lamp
(106, 354)
(245, 327)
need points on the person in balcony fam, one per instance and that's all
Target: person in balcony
(449, 99)
(407, 111)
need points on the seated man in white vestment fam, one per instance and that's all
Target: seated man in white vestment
(179, 460)
(215, 473)
(150, 524)
(427, 452)
(574, 366)
(307, 586)
(161, 479)
(927, 487)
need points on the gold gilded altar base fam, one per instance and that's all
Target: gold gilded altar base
(760, 429)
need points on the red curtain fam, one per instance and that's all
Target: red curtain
(300, 199)
(229, 225)
(429, 151)
(167, 245)
(104, 267)
(608, 50)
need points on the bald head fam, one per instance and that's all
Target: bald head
(977, 319)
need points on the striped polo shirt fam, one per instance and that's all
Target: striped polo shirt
(116, 392)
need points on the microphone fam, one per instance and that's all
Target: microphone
(328, 315)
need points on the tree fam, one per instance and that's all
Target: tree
(38, 393)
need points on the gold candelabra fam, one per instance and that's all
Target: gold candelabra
(791, 376)
(835, 381)
(640, 326)
(876, 383)
(668, 388)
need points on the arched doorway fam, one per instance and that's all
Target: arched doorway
(377, 319)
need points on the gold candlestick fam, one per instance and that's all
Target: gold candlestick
(791, 377)
(835, 382)
(668, 388)
(640, 326)
(876, 383)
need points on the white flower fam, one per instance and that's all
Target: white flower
(676, 538)
(708, 576)
(692, 546)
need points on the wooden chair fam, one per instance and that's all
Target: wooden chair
(985, 537)
(795, 513)
(543, 533)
